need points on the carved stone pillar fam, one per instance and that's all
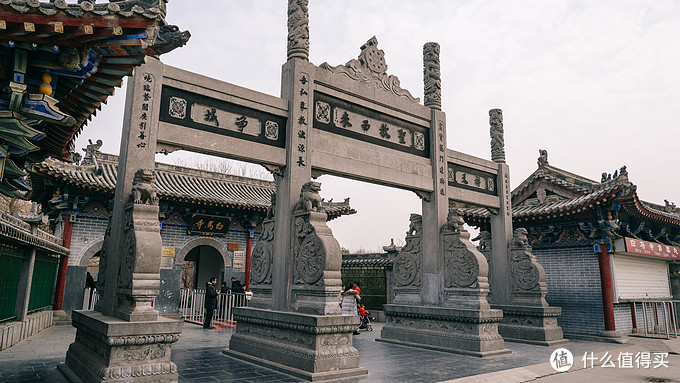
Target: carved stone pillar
(126, 340)
(312, 341)
(298, 29)
(463, 323)
(139, 275)
(497, 136)
(407, 273)
(317, 257)
(528, 317)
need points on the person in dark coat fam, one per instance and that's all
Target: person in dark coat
(224, 292)
(210, 302)
(236, 286)
(224, 289)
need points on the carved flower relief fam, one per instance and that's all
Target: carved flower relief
(178, 107)
(271, 130)
(310, 260)
(524, 275)
(302, 227)
(406, 269)
(261, 260)
(132, 353)
(461, 267)
(323, 112)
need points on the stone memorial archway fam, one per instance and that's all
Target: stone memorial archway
(351, 120)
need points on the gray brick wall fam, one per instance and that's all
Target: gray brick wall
(573, 280)
(177, 237)
(86, 231)
(623, 318)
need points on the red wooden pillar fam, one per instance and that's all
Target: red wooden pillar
(63, 264)
(607, 294)
(633, 316)
(249, 246)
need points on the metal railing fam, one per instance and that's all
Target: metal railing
(659, 318)
(192, 302)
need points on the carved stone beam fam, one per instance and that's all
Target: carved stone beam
(425, 196)
(276, 170)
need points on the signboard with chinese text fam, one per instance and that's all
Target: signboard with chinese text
(169, 251)
(350, 120)
(209, 225)
(232, 246)
(239, 261)
(653, 249)
(472, 179)
(197, 111)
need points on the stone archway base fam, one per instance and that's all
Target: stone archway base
(460, 331)
(114, 350)
(312, 347)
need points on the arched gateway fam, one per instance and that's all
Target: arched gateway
(354, 121)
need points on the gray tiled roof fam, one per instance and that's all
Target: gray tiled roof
(589, 193)
(129, 8)
(174, 183)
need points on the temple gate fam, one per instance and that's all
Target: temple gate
(351, 120)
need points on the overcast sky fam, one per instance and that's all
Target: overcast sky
(595, 83)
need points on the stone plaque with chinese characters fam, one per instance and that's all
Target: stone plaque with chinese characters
(208, 114)
(209, 225)
(472, 179)
(350, 120)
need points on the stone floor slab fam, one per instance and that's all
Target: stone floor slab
(198, 355)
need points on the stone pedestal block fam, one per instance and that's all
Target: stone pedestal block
(461, 331)
(312, 347)
(113, 350)
(531, 324)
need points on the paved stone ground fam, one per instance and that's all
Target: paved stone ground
(199, 358)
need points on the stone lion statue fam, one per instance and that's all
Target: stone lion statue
(310, 200)
(415, 226)
(454, 222)
(143, 190)
(520, 238)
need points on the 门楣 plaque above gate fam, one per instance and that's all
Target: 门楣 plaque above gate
(350, 120)
(221, 117)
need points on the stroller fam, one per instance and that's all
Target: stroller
(365, 317)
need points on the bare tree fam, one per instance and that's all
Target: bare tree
(225, 166)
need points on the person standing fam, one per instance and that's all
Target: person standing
(236, 286)
(224, 289)
(210, 302)
(224, 298)
(350, 301)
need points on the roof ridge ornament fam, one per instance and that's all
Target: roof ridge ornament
(621, 173)
(370, 68)
(669, 207)
(543, 158)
